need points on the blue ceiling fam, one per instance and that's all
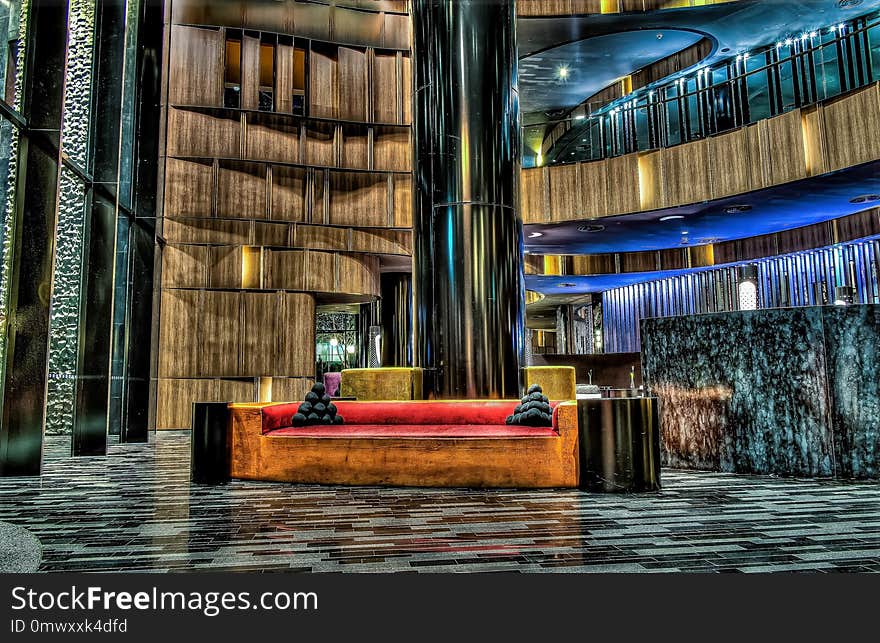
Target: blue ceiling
(592, 65)
(791, 205)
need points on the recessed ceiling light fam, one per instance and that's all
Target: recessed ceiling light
(591, 228)
(737, 209)
(672, 217)
(562, 72)
(568, 285)
(865, 198)
(535, 235)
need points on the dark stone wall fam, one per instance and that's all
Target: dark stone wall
(782, 391)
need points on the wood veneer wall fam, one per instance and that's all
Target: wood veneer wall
(839, 133)
(268, 214)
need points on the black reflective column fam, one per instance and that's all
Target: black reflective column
(468, 284)
(140, 332)
(396, 319)
(27, 326)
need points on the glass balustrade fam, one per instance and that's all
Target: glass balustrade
(795, 71)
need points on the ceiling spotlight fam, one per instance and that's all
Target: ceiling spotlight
(865, 198)
(535, 235)
(788, 42)
(591, 228)
(672, 217)
(738, 209)
(562, 72)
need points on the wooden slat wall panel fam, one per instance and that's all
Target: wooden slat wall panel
(210, 231)
(358, 199)
(786, 144)
(288, 193)
(406, 81)
(593, 264)
(184, 266)
(219, 337)
(565, 192)
(224, 267)
(593, 182)
(284, 79)
(355, 147)
(350, 25)
(323, 84)
(180, 354)
(320, 274)
(321, 237)
(852, 125)
(259, 332)
(296, 345)
(534, 207)
(271, 234)
(319, 142)
(686, 170)
(623, 184)
(385, 88)
(235, 390)
(352, 84)
(250, 73)
(357, 274)
(857, 226)
(196, 75)
(175, 398)
(189, 188)
(731, 159)
(403, 205)
(291, 389)
(381, 241)
(285, 269)
(638, 262)
(242, 191)
(391, 150)
(397, 31)
(272, 139)
(192, 133)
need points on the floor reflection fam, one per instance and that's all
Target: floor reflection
(136, 511)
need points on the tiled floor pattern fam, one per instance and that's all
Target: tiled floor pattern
(135, 510)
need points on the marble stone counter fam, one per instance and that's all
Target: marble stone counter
(789, 391)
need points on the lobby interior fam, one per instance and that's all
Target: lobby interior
(226, 223)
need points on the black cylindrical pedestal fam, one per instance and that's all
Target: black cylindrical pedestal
(619, 444)
(468, 286)
(211, 443)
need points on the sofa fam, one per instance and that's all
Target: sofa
(414, 443)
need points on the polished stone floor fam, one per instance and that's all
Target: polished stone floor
(136, 511)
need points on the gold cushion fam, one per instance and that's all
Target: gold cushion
(559, 382)
(380, 384)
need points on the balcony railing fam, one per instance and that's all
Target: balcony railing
(796, 71)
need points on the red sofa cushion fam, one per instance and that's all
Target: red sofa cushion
(415, 431)
(433, 416)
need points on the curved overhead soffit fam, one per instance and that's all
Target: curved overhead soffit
(738, 26)
(741, 25)
(782, 207)
(592, 64)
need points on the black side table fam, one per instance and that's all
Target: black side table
(619, 444)
(211, 443)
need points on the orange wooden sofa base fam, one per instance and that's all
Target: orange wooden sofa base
(531, 462)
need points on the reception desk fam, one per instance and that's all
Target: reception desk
(791, 392)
